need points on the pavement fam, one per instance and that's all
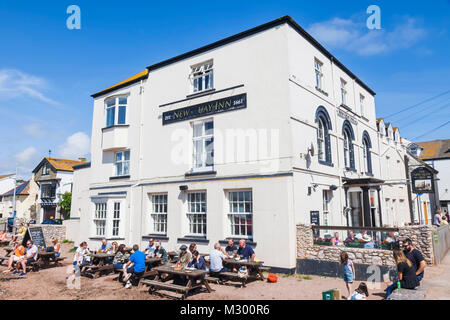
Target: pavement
(436, 282)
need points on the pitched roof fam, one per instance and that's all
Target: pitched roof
(60, 164)
(437, 149)
(21, 189)
(6, 176)
(137, 77)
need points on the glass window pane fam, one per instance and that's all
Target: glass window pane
(110, 115)
(127, 155)
(110, 102)
(122, 113)
(198, 129)
(122, 100)
(118, 156)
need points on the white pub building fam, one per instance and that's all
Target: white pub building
(245, 138)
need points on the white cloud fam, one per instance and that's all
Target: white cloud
(15, 83)
(354, 36)
(77, 145)
(24, 157)
(34, 130)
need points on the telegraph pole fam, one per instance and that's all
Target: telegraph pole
(14, 200)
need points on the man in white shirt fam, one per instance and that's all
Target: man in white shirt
(31, 255)
(150, 250)
(216, 259)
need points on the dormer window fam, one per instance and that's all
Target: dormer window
(116, 110)
(202, 76)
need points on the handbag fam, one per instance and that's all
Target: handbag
(243, 272)
(272, 278)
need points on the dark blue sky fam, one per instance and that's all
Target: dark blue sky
(48, 72)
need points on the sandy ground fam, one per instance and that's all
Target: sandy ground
(51, 284)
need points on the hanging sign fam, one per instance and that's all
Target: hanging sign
(422, 180)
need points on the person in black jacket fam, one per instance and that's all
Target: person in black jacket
(406, 273)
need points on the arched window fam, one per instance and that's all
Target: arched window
(367, 145)
(349, 137)
(323, 136)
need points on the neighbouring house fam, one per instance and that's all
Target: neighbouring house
(26, 198)
(437, 154)
(6, 183)
(246, 138)
(54, 178)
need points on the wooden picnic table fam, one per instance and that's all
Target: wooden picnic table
(8, 251)
(99, 266)
(254, 268)
(196, 279)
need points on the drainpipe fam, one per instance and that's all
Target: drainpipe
(408, 187)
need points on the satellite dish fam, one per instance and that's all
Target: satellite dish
(311, 150)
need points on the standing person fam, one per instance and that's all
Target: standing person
(19, 253)
(406, 273)
(134, 267)
(150, 250)
(185, 256)
(231, 248)
(160, 252)
(416, 257)
(79, 259)
(349, 272)
(437, 218)
(198, 262)
(244, 251)
(31, 255)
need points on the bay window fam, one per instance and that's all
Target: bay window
(116, 110)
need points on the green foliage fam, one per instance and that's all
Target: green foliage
(67, 241)
(72, 250)
(65, 203)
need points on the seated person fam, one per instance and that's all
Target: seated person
(19, 253)
(115, 247)
(231, 248)
(368, 242)
(3, 236)
(192, 248)
(335, 240)
(150, 250)
(185, 256)
(198, 262)
(351, 237)
(56, 247)
(134, 267)
(390, 237)
(120, 257)
(20, 233)
(216, 258)
(31, 255)
(244, 251)
(106, 246)
(160, 252)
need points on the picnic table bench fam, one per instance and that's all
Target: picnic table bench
(100, 266)
(215, 277)
(255, 269)
(196, 279)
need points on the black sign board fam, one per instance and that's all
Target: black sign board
(422, 180)
(205, 109)
(315, 220)
(37, 235)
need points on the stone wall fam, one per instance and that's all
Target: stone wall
(420, 235)
(52, 231)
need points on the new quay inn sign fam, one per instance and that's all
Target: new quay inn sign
(205, 109)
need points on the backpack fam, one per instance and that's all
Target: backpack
(272, 278)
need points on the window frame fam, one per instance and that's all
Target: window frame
(117, 110)
(231, 224)
(349, 152)
(199, 73)
(204, 137)
(103, 218)
(45, 169)
(318, 73)
(123, 162)
(156, 215)
(322, 117)
(343, 92)
(203, 223)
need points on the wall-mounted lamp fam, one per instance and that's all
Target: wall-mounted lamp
(333, 187)
(183, 188)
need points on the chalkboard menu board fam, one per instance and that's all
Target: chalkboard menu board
(37, 235)
(315, 220)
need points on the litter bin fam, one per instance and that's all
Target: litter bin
(10, 224)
